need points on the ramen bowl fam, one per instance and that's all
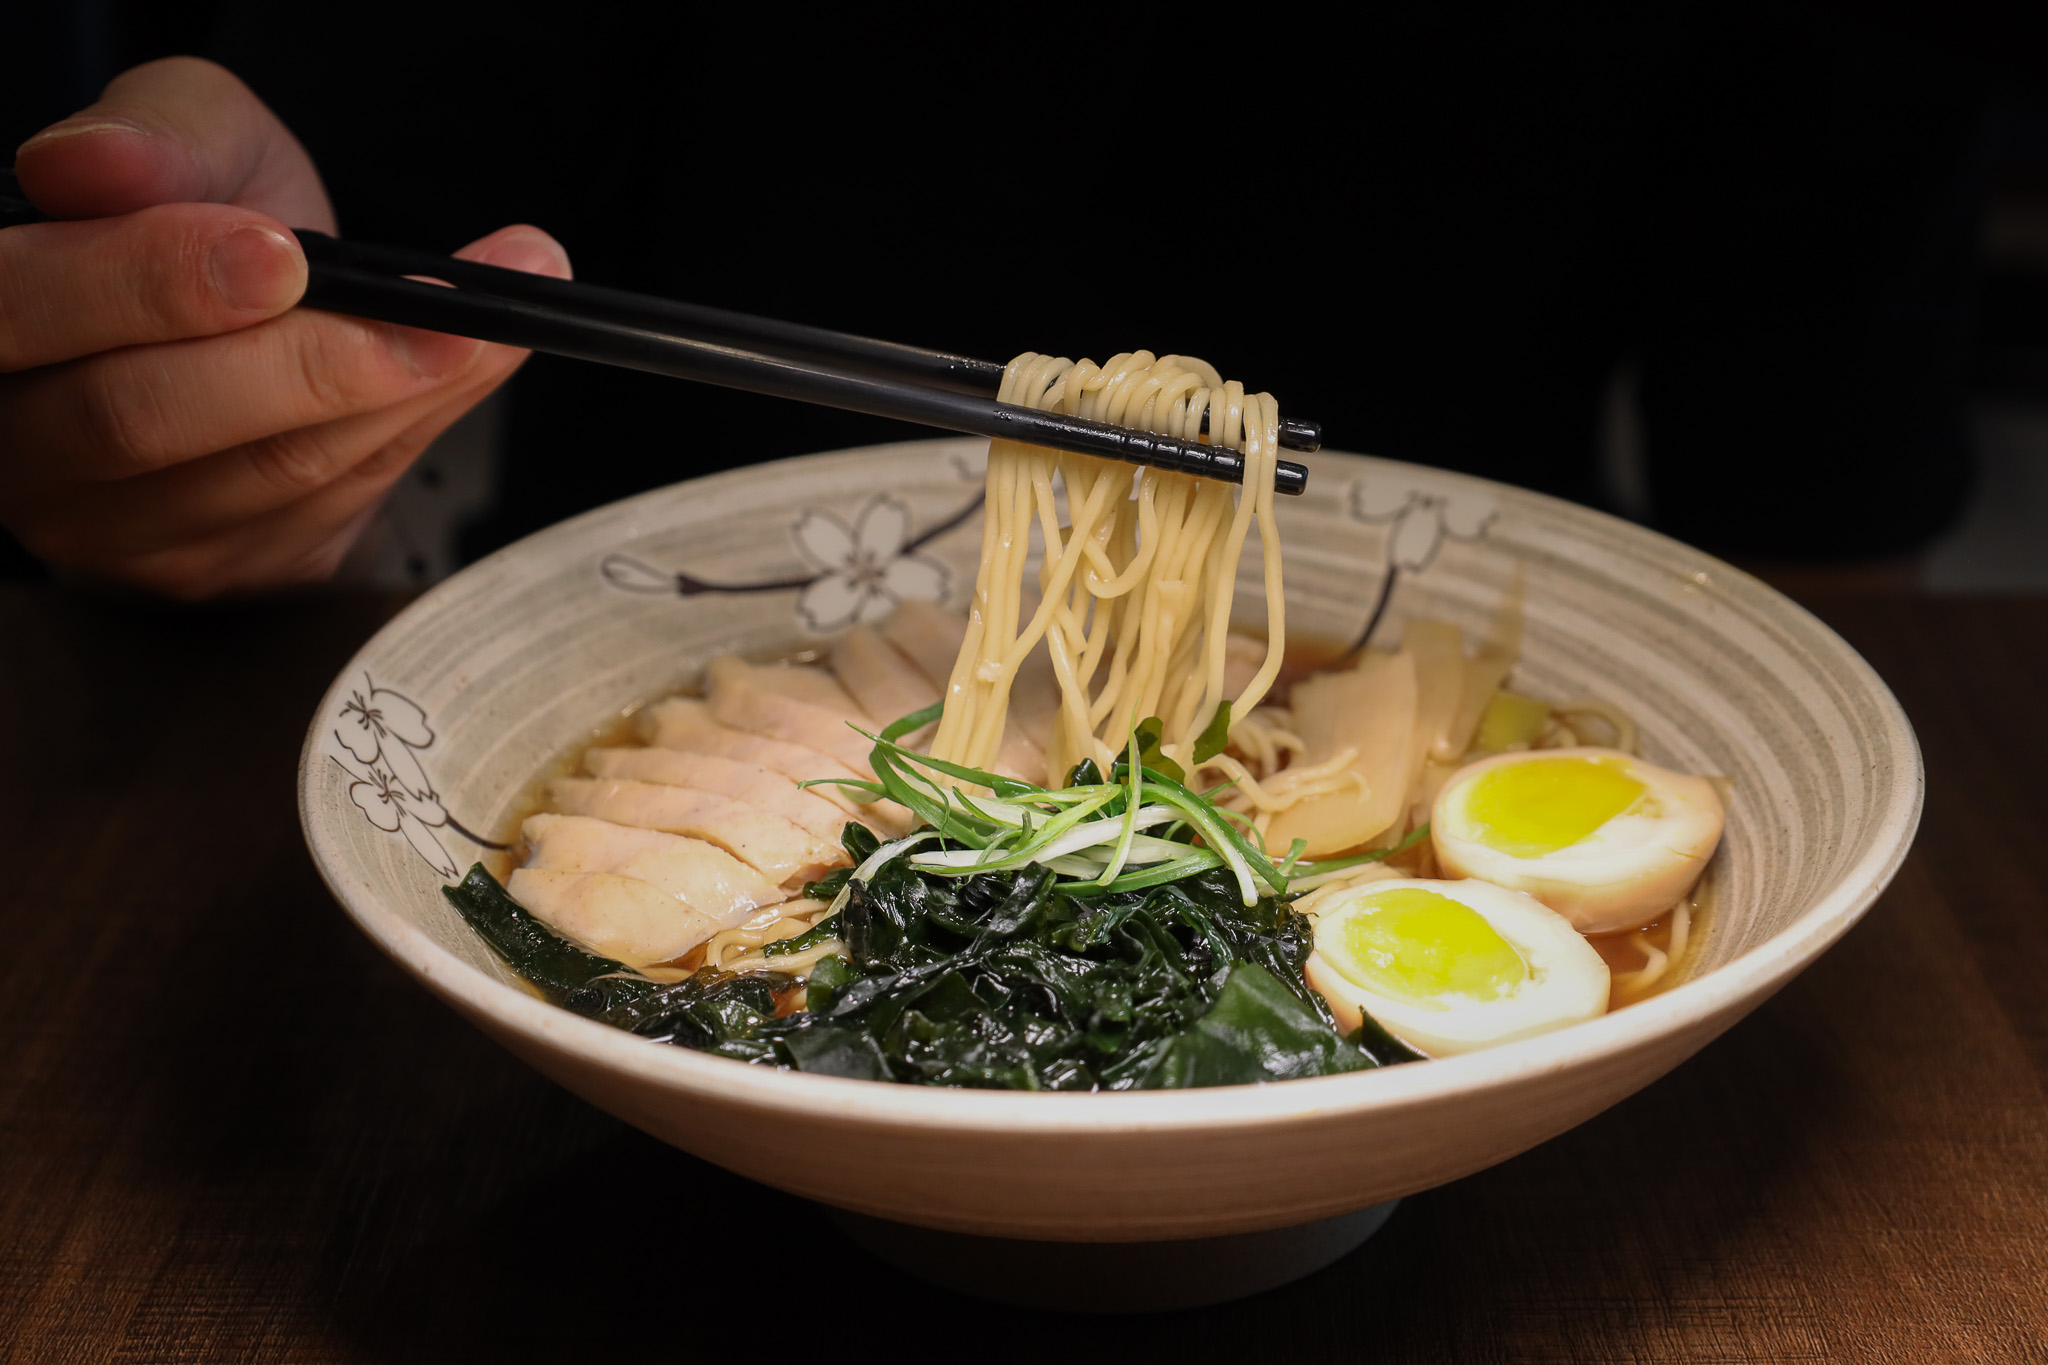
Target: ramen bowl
(429, 743)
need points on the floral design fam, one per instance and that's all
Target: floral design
(383, 731)
(859, 572)
(865, 569)
(1420, 515)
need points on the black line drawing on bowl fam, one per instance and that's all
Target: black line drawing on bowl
(859, 572)
(1420, 518)
(384, 731)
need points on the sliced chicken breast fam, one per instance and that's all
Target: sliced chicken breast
(736, 703)
(1020, 756)
(745, 782)
(781, 851)
(703, 876)
(799, 682)
(620, 917)
(886, 684)
(686, 723)
(929, 636)
(1035, 701)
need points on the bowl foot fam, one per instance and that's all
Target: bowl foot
(1114, 1277)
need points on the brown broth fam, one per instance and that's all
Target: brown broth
(532, 799)
(1622, 954)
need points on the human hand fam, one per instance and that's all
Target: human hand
(168, 420)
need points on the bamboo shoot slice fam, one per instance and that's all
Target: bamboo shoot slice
(1439, 650)
(1370, 709)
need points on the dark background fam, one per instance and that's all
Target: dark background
(1857, 1171)
(1442, 237)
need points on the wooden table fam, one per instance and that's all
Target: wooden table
(229, 1130)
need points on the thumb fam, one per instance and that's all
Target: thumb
(180, 130)
(519, 247)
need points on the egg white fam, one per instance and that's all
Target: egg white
(1622, 875)
(1568, 980)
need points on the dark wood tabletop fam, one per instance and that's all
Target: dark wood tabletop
(229, 1130)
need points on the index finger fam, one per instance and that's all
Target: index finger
(180, 130)
(163, 274)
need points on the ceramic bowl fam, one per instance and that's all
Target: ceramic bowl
(434, 734)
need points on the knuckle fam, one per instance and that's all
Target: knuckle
(297, 462)
(171, 282)
(130, 415)
(342, 369)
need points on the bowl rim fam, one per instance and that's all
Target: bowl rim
(1719, 996)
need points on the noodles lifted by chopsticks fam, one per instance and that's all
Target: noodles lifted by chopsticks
(1135, 590)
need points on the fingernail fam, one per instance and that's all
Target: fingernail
(69, 129)
(528, 249)
(432, 355)
(257, 270)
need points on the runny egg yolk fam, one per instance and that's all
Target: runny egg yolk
(1413, 944)
(1539, 806)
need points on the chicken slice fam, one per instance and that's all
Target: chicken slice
(620, 917)
(592, 872)
(745, 782)
(735, 702)
(886, 684)
(703, 876)
(929, 636)
(1019, 756)
(1035, 700)
(686, 723)
(798, 682)
(781, 851)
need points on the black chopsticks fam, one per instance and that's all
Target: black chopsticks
(643, 333)
(716, 346)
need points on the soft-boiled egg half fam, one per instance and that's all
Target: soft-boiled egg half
(1453, 966)
(1606, 840)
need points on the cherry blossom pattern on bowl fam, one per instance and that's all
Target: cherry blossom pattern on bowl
(858, 573)
(380, 734)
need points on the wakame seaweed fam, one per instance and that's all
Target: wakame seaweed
(996, 980)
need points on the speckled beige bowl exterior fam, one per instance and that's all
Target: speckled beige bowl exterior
(442, 721)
